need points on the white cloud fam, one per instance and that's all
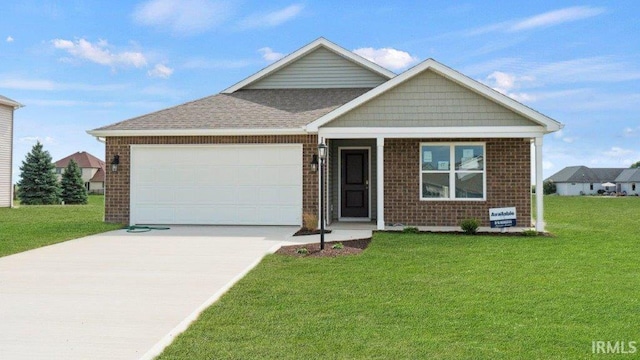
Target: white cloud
(9, 39)
(184, 17)
(557, 17)
(269, 55)
(271, 19)
(100, 53)
(505, 83)
(547, 19)
(160, 71)
(48, 85)
(34, 139)
(388, 57)
(617, 151)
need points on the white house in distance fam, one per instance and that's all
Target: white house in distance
(581, 180)
(7, 106)
(93, 170)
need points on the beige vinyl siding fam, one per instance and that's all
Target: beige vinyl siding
(430, 100)
(320, 69)
(6, 146)
(334, 145)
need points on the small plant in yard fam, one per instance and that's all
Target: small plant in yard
(338, 246)
(302, 251)
(470, 226)
(411, 230)
(530, 232)
(309, 221)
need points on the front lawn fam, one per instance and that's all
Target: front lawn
(431, 296)
(31, 226)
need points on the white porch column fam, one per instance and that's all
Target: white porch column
(380, 182)
(539, 186)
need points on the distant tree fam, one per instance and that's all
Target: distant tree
(38, 182)
(635, 165)
(549, 187)
(73, 190)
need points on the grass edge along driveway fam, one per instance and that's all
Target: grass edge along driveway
(27, 227)
(441, 296)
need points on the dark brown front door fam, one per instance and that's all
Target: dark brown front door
(354, 183)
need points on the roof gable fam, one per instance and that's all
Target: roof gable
(324, 61)
(547, 123)
(83, 159)
(430, 100)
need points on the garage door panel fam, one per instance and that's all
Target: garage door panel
(217, 184)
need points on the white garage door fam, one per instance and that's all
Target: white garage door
(216, 184)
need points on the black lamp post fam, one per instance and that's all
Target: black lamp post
(322, 155)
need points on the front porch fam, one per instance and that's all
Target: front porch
(359, 194)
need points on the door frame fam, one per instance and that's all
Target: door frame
(355, 219)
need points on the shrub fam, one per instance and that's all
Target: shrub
(302, 251)
(530, 232)
(411, 230)
(338, 246)
(470, 226)
(309, 221)
(548, 188)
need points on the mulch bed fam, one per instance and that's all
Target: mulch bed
(351, 247)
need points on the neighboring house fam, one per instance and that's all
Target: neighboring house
(628, 182)
(581, 180)
(93, 170)
(7, 107)
(429, 147)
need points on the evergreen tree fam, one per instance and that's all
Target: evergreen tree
(73, 190)
(38, 183)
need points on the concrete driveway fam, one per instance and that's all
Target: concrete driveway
(118, 295)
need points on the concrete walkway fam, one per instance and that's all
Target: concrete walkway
(119, 295)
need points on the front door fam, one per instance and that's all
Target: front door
(354, 183)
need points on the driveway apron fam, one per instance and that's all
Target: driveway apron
(117, 295)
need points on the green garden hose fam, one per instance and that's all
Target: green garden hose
(141, 229)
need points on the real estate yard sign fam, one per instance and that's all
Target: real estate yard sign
(502, 217)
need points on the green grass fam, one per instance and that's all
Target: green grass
(29, 227)
(425, 296)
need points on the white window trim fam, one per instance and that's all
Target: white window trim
(452, 171)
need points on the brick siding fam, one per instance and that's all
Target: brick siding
(117, 184)
(507, 171)
(508, 174)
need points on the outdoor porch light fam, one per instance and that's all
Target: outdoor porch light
(115, 162)
(322, 151)
(314, 163)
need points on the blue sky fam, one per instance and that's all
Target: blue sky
(78, 65)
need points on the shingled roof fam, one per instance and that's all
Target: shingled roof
(629, 175)
(245, 109)
(583, 174)
(83, 159)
